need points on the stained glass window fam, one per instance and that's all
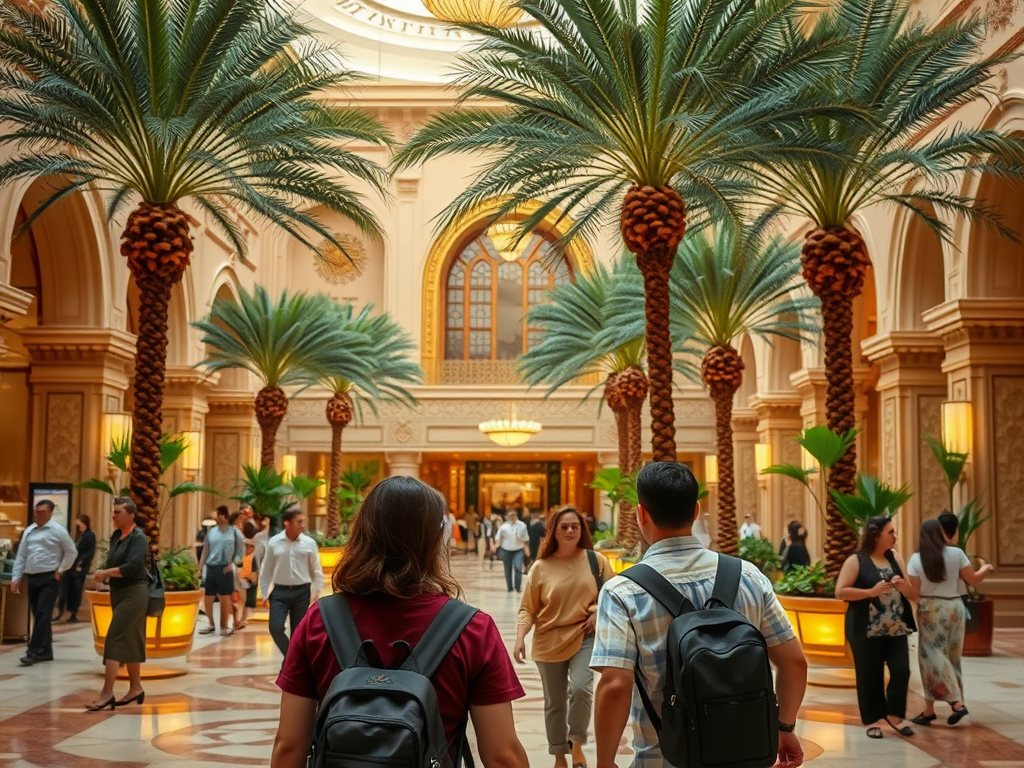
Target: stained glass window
(486, 298)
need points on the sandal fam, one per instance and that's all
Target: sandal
(874, 732)
(957, 716)
(902, 730)
(208, 630)
(923, 719)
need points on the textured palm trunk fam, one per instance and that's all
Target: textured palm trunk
(157, 245)
(835, 263)
(652, 224)
(271, 408)
(339, 414)
(625, 524)
(634, 386)
(722, 373)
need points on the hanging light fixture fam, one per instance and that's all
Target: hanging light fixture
(503, 235)
(762, 456)
(711, 470)
(494, 13)
(510, 432)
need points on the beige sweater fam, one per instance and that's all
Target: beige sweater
(558, 598)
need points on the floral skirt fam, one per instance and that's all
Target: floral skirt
(940, 643)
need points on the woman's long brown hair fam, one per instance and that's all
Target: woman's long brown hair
(549, 543)
(396, 544)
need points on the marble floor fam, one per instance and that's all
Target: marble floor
(224, 710)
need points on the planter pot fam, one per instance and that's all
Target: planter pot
(820, 624)
(167, 636)
(329, 559)
(978, 634)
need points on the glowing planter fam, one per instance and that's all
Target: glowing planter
(820, 624)
(329, 559)
(168, 636)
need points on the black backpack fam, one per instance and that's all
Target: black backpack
(720, 709)
(385, 718)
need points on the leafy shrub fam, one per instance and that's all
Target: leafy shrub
(800, 580)
(760, 552)
(323, 541)
(179, 569)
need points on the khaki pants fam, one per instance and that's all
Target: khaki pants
(568, 698)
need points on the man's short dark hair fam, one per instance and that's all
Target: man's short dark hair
(127, 503)
(290, 514)
(668, 491)
(46, 503)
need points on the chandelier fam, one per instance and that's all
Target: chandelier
(494, 13)
(510, 432)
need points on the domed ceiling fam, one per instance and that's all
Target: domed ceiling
(391, 39)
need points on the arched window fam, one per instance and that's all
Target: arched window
(486, 298)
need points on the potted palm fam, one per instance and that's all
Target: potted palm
(352, 486)
(171, 633)
(972, 515)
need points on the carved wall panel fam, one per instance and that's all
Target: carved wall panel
(930, 483)
(793, 501)
(1008, 422)
(64, 437)
(889, 464)
(227, 460)
(745, 473)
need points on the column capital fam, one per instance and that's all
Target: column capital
(403, 463)
(979, 331)
(777, 405)
(77, 355)
(912, 358)
(13, 302)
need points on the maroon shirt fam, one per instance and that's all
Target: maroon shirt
(476, 671)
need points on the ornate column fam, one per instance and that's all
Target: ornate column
(748, 486)
(911, 387)
(77, 375)
(403, 464)
(230, 438)
(778, 422)
(984, 364)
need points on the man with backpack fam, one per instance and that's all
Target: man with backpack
(702, 681)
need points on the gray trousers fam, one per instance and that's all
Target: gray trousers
(568, 698)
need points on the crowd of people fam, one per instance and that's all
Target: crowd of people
(395, 578)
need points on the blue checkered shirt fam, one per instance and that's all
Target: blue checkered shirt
(630, 621)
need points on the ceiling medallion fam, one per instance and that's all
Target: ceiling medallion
(495, 13)
(337, 268)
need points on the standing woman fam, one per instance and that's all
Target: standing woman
(129, 599)
(560, 605)
(935, 570)
(85, 543)
(795, 547)
(878, 621)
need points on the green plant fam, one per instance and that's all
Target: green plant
(179, 569)
(353, 483)
(760, 552)
(618, 486)
(603, 535)
(972, 515)
(801, 580)
(171, 449)
(873, 499)
(323, 541)
(269, 495)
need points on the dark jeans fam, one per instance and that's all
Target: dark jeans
(42, 596)
(287, 602)
(513, 560)
(870, 657)
(72, 585)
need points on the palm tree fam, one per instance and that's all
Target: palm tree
(386, 368)
(581, 338)
(641, 112)
(156, 102)
(908, 78)
(293, 341)
(727, 285)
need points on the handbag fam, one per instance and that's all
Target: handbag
(156, 588)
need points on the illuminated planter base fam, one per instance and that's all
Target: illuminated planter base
(329, 559)
(820, 624)
(168, 636)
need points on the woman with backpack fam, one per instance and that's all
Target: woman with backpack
(878, 621)
(394, 580)
(935, 570)
(560, 605)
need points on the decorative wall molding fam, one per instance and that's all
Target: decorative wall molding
(1008, 470)
(64, 422)
(930, 482)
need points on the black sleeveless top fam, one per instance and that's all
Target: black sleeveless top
(857, 613)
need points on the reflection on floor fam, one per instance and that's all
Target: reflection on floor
(224, 711)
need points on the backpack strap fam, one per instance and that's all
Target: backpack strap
(658, 587)
(727, 580)
(341, 629)
(440, 636)
(592, 559)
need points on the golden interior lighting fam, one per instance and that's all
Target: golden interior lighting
(502, 235)
(289, 463)
(494, 13)
(116, 428)
(762, 456)
(710, 469)
(510, 432)
(957, 426)
(192, 457)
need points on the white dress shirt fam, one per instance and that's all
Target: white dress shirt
(512, 536)
(44, 548)
(291, 564)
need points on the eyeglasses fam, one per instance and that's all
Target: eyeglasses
(569, 527)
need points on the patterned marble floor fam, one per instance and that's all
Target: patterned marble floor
(224, 711)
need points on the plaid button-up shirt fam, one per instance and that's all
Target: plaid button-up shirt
(631, 622)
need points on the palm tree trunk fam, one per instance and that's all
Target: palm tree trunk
(634, 386)
(653, 222)
(727, 527)
(835, 264)
(157, 245)
(333, 503)
(271, 408)
(626, 529)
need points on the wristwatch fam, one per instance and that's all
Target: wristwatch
(787, 727)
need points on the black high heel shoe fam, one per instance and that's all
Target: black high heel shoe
(97, 707)
(141, 697)
(958, 715)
